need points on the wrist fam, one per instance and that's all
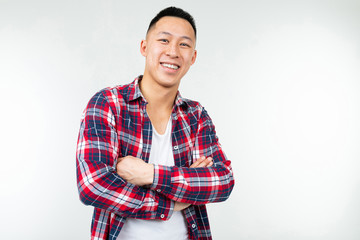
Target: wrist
(150, 174)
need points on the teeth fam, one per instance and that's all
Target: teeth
(170, 66)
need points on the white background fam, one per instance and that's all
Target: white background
(279, 78)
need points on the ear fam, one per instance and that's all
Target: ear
(143, 46)
(194, 57)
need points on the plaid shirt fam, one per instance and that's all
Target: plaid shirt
(115, 124)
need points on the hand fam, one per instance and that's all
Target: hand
(135, 170)
(200, 162)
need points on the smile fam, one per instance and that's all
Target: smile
(171, 66)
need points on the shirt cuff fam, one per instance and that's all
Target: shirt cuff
(165, 208)
(162, 179)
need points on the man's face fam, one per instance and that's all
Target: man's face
(169, 49)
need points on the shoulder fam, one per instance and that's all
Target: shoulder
(120, 91)
(192, 107)
(197, 114)
(111, 95)
(195, 108)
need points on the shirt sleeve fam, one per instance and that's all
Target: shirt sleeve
(98, 183)
(198, 185)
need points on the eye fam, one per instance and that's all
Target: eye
(184, 45)
(163, 40)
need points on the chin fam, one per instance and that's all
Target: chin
(168, 82)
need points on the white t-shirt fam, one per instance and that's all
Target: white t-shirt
(175, 228)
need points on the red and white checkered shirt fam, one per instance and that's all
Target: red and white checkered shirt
(115, 124)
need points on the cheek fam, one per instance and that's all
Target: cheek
(189, 59)
(154, 49)
(154, 55)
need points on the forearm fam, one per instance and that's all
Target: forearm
(134, 170)
(194, 185)
(108, 191)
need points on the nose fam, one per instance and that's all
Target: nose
(172, 50)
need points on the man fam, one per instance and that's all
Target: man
(149, 160)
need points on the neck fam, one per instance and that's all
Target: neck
(157, 96)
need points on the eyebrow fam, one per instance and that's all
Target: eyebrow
(167, 33)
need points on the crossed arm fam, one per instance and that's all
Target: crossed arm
(136, 171)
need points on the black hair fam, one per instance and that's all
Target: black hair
(173, 12)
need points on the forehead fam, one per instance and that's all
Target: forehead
(174, 25)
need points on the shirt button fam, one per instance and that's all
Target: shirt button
(193, 226)
(176, 147)
(158, 190)
(162, 215)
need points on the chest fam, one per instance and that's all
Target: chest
(135, 130)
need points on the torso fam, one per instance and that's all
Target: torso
(174, 228)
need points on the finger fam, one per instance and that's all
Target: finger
(205, 162)
(198, 162)
(208, 162)
(194, 165)
(200, 159)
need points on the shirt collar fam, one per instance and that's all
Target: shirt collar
(135, 93)
(134, 90)
(179, 100)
